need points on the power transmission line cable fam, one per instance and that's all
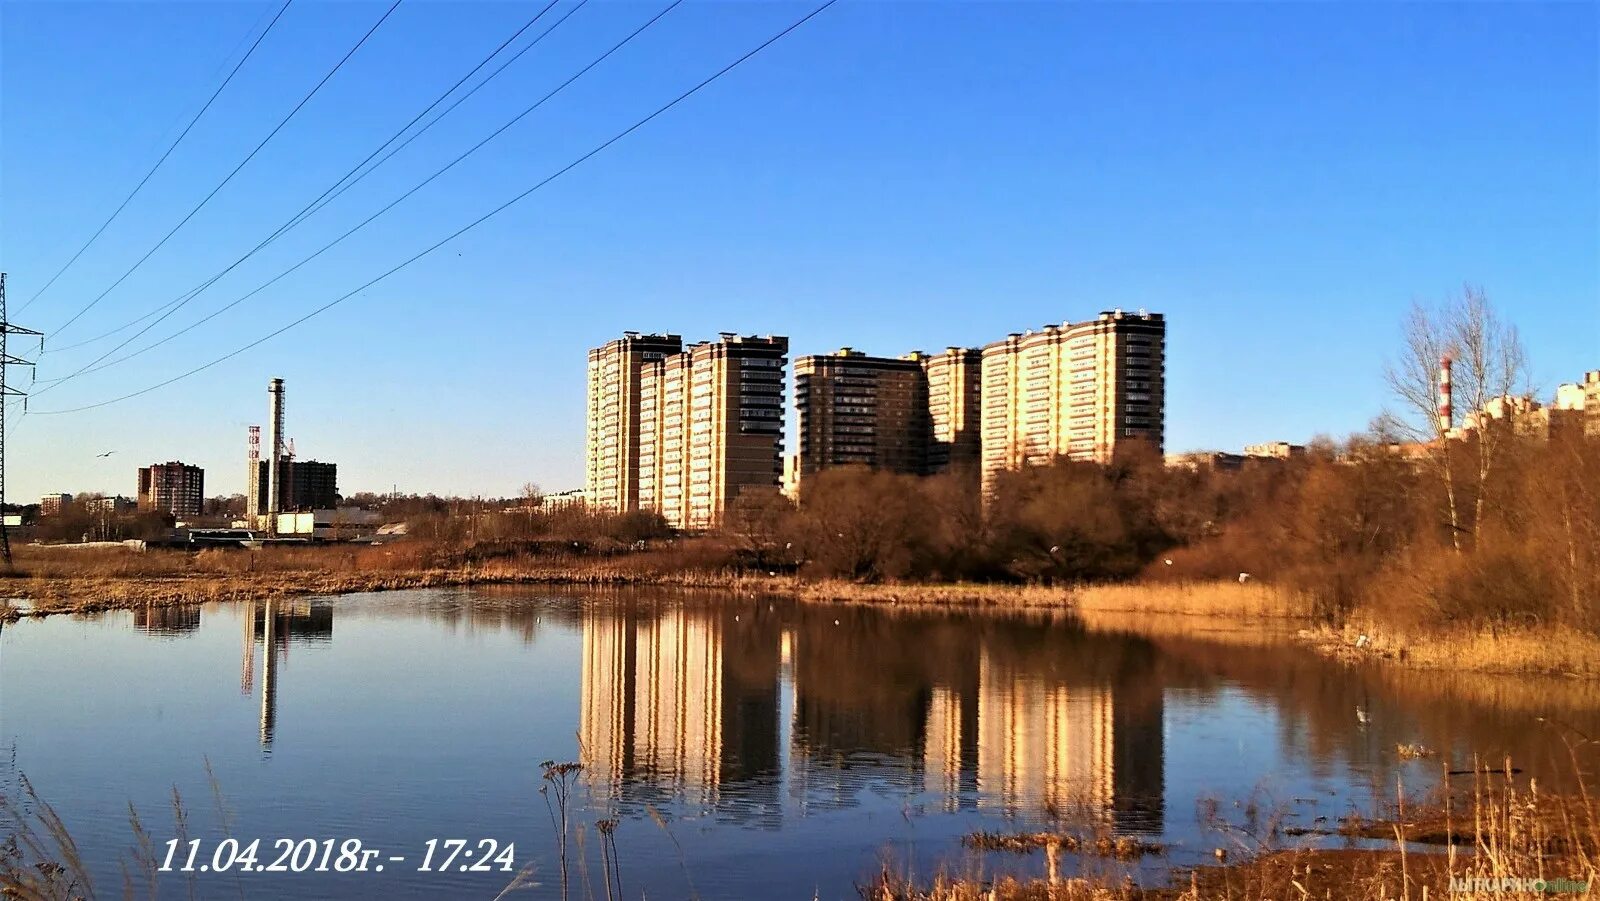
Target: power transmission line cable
(93, 365)
(173, 146)
(279, 127)
(346, 181)
(464, 229)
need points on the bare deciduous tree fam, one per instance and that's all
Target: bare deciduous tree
(1488, 364)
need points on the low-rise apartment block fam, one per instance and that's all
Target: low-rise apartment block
(1275, 450)
(110, 505)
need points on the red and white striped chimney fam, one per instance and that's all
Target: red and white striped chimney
(1445, 419)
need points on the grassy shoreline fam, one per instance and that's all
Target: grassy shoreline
(61, 584)
(1471, 834)
(89, 582)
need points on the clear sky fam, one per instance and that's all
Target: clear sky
(1280, 179)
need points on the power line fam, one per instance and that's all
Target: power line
(466, 228)
(185, 133)
(242, 163)
(345, 180)
(92, 366)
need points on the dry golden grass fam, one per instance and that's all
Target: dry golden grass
(1250, 599)
(85, 581)
(959, 594)
(1552, 650)
(1217, 629)
(1210, 599)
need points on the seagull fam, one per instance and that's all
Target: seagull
(106, 454)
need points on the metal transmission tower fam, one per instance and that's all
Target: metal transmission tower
(7, 392)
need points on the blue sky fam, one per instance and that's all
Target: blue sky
(1280, 179)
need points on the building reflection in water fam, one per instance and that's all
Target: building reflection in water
(167, 620)
(678, 702)
(1031, 719)
(1085, 748)
(276, 624)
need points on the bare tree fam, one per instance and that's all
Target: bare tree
(532, 494)
(1488, 363)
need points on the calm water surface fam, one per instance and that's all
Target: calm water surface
(749, 748)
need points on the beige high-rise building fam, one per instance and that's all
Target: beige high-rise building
(612, 446)
(710, 427)
(955, 381)
(1078, 390)
(861, 410)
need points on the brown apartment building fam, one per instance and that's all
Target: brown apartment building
(916, 414)
(612, 446)
(173, 487)
(856, 409)
(1078, 390)
(710, 427)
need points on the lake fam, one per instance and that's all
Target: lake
(746, 747)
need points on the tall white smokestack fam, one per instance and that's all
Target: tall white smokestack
(275, 461)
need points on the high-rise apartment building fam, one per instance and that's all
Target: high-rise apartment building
(856, 409)
(302, 485)
(1078, 390)
(173, 487)
(913, 414)
(710, 427)
(612, 447)
(955, 381)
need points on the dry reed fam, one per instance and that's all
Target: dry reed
(1483, 832)
(1532, 649)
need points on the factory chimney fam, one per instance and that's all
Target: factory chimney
(1446, 421)
(275, 461)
